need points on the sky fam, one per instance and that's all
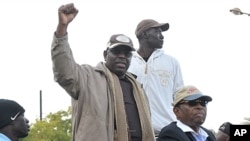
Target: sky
(210, 43)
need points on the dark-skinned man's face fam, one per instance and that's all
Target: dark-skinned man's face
(118, 59)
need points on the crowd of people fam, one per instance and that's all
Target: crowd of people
(141, 94)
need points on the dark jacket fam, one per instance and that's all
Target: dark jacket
(173, 133)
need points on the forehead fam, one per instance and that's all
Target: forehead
(153, 29)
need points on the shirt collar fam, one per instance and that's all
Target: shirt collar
(186, 128)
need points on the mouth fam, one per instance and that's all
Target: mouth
(121, 64)
(28, 127)
(200, 114)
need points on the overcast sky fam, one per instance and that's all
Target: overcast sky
(210, 43)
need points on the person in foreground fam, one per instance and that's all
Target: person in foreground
(190, 110)
(223, 133)
(159, 73)
(108, 104)
(13, 124)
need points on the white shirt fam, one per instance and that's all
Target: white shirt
(200, 136)
(161, 77)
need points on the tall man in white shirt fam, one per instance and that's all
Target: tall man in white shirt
(159, 73)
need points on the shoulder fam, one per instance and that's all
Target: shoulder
(169, 128)
(164, 55)
(170, 57)
(173, 132)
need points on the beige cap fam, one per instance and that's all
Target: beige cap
(189, 93)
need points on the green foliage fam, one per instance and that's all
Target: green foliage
(55, 127)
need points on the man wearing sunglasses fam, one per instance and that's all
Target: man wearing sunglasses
(190, 108)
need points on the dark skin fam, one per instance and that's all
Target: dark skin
(193, 116)
(66, 14)
(19, 128)
(118, 59)
(150, 40)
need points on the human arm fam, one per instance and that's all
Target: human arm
(66, 14)
(65, 68)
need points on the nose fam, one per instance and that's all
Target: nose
(161, 36)
(27, 121)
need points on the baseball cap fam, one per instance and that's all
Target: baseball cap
(118, 40)
(149, 23)
(9, 111)
(225, 128)
(189, 93)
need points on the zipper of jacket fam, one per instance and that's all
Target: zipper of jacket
(146, 69)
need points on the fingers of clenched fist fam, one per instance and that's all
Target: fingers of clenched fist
(68, 9)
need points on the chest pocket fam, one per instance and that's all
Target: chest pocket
(163, 76)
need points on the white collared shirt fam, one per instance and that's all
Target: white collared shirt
(200, 136)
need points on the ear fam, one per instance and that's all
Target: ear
(176, 111)
(144, 35)
(105, 54)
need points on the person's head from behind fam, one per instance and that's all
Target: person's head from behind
(223, 133)
(118, 54)
(190, 106)
(149, 32)
(13, 124)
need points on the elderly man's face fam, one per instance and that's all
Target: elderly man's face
(118, 59)
(192, 113)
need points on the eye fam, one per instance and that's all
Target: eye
(116, 52)
(127, 53)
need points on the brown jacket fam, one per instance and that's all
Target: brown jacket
(92, 104)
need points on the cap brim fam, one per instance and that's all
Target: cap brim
(163, 26)
(198, 96)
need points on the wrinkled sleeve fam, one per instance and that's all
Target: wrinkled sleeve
(65, 69)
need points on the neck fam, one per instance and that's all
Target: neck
(121, 77)
(195, 128)
(145, 51)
